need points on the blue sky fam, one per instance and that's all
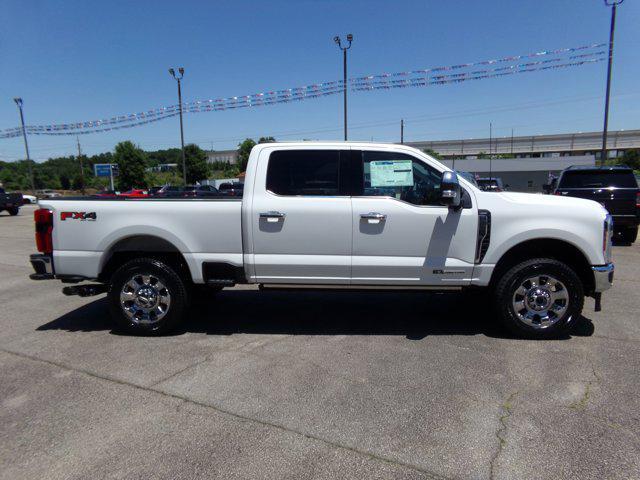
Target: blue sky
(83, 60)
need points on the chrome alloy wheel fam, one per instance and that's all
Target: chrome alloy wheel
(540, 301)
(144, 299)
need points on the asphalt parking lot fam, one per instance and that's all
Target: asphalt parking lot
(312, 385)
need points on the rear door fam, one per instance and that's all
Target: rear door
(301, 217)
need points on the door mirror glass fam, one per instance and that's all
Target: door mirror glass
(450, 192)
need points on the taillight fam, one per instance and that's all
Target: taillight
(44, 230)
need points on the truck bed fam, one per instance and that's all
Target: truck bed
(87, 230)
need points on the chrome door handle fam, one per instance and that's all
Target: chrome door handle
(373, 216)
(272, 214)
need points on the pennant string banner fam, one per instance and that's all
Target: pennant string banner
(414, 78)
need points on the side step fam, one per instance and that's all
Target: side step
(86, 290)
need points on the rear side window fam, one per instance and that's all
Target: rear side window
(304, 172)
(597, 179)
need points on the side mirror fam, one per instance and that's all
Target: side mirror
(450, 192)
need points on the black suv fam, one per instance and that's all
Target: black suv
(615, 187)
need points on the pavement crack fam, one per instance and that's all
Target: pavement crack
(501, 433)
(243, 418)
(583, 401)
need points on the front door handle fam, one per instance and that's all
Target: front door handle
(272, 214)
(373, 216)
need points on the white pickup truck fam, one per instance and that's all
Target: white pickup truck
(327, 215)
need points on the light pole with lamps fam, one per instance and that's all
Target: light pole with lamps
(19, 102)
(178, 79)
(613, 4)
(344, 65)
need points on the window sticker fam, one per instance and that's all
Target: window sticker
(391, 173)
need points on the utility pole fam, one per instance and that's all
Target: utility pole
(178, 79)
(401, 131)
(490, 154)
(81, 167)
(344, 76)
(613, 4)
(19, 102)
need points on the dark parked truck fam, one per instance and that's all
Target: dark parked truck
(11, 202)
(615, 187)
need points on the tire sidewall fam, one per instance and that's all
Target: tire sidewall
(514, 278)
(167, 276)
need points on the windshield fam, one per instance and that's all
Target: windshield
(597, 179)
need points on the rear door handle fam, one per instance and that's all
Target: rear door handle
(272, 214)
(373, 216)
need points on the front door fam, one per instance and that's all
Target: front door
(401, 233)
(301, 224)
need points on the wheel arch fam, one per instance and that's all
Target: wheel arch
(135, 246)
(560, 250)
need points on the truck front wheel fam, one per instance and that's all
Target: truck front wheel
(13, 211)
(147, 297)
(539, 298)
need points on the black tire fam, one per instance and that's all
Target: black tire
(166, 276)
(13, 211)
(630, 234)
(559, 325)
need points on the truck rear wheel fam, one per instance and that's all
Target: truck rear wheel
(13, 211)
(147, 297)
(539, 298)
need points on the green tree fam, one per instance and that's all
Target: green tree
(631, 158)
(432, 153)
(266, 140)
(244, 149)
(132, 163)
(196, 163)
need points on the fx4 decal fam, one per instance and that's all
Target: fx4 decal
(78, 216)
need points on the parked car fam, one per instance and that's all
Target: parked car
(492, 184)
(615, 187)
(200, 191)
(11, 202)
(46, 193)
(231, 189)
(134, 193)
(107, 194)
(28, 199)
(170, 191)
(306, 221)
(154, 190)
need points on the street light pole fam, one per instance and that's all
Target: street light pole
(18, 101)
(344, 76)
(613, 4)
(178, 79)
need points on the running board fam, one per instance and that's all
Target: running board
(221, 282)
(287, 286)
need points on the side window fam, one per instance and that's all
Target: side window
(400, 176)
(304, 172)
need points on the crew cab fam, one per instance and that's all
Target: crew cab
(333, 215)
(11, 202)
(615, 187)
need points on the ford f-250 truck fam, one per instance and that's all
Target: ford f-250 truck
(327, 215)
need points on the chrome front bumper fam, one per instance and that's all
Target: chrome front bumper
(603, 277)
